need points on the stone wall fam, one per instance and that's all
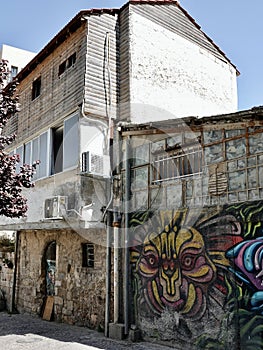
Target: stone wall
(6, 276)
(79, 291)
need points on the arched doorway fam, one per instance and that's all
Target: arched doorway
(50, 267)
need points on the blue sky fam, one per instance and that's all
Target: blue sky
(234, 25)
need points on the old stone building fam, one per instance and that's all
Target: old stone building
(103, 68)
(192, 228)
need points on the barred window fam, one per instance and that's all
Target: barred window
(181, 162)
(69, 62)
(87, 255)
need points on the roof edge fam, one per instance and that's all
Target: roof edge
(68, 29)
(177, 3)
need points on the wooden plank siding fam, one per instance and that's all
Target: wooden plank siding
(60, 95)
(101, 87)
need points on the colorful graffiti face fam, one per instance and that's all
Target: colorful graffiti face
(175, 269)
(184, 265)
(248, 257)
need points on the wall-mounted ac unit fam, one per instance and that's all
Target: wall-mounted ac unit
(54, 207)
(96, 164)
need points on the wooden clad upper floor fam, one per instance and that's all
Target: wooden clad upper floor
(79, 70)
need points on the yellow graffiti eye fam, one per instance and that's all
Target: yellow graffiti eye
(188, 261)
(152, 260)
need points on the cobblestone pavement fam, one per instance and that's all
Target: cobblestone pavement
(26, 332)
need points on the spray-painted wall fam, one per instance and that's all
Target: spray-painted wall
(197, 280)
(196, 216)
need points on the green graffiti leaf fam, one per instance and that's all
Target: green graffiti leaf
(253, 344)
(256, 330)
(208, 343)
(249, 325)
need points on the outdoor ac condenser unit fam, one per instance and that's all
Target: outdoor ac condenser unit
(93, 163)
(54, 207)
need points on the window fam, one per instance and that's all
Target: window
(178, 163)
(57, 143)
(87, 255)
(69, 62)
(20, 152)
(28, 153)
(62, 68)
(65, 143)
(61, 142)
(36, 88)
(37, 149)
(40, 152)
(14, 71)
(44, 166)
(71, 142)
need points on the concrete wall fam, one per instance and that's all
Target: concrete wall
(85, 198)
(173, 77)
(79, 291)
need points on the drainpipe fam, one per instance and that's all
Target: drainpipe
(13, 292)
(108, 274)
(126, 272)
(116, 156)
(116, 265)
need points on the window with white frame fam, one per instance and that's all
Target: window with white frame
(57, 149)
(65, 145)
(71, 142)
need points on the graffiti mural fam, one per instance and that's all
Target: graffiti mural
(208, 268)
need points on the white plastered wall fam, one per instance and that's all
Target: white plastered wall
(175, 77)
(15, 56)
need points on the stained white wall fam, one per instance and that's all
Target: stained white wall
(174, 76)
(15, 56)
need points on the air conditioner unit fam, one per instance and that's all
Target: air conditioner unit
(54, 207)
(96, 164)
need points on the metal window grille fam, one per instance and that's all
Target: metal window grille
(87, 255)
(179, 163)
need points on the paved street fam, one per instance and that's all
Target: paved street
(25, 332)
